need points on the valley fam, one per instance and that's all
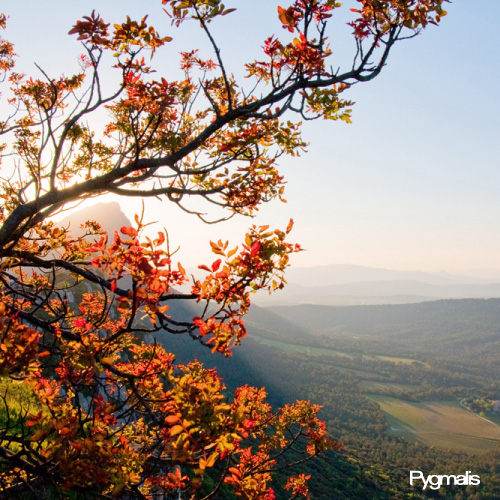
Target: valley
(391, 379)
(443, 424)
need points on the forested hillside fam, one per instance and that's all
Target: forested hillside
(474, 321)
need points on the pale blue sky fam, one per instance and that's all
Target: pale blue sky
(413, 183)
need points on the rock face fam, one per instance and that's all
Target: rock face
(109, 216)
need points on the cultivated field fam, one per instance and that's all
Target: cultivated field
(323, 351)
(368, 386)
(442, 424)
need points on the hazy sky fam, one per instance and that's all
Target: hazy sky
(413, 183)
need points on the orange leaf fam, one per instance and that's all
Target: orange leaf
(171, 419)
(129, 231)
(181, 269)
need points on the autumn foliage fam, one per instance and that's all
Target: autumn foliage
(111, 414)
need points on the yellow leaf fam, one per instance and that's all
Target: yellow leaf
(176, 429)
(232, 252)
(38, 435)
(212, 459)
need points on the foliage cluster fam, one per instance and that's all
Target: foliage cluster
(114, 415)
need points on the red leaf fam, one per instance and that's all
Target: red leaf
(255, 249)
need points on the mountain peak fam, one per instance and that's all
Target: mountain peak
(109, 215)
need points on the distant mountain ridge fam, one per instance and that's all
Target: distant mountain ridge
(378, 292)
(358, 285)
(418, 321)
(340, 274)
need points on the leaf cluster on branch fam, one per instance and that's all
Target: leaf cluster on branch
(112, 414)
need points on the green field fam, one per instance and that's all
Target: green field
(371, 385)
(442, 424)
(324, 351)
(313, 351)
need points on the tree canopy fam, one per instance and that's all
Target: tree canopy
(88, 404)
